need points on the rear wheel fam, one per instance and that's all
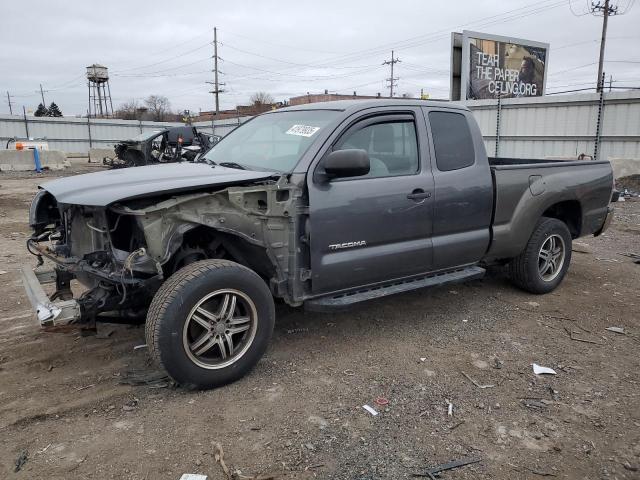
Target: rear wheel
(544, 262)
(210, 323)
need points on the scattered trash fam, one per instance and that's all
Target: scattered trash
(371, 410)
(297, 330)
(449, 408)
(422, 359)
(453, 427)
(476, 383)
(497, 363)
(447, 466)
(131, 405)
(381, 401)
(619, 330)
(578, 339)
(152, 379)
(580, 247)
(634, 256)
(518, 468)
(630, 467)
(193, 476)
(21, 460)
(85, 387)
(2, 272)
(138, 347)
(534, 403)
(538, 370)
(349, 373)
(219, 457)
(533, 304)
(104, 335)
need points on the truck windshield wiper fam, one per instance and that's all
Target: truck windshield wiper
(232, 165)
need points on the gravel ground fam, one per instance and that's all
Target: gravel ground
(299, 414)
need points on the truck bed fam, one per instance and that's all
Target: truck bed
(525, 189)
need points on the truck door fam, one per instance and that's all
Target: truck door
(463, 195)
(374, 227)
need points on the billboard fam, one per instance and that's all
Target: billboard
(492, 67)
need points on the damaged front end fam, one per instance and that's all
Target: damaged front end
(105, 252)
(121, 253)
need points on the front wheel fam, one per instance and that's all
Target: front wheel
(544, 262)
(210, 323)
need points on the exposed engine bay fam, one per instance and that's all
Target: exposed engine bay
(122, 253)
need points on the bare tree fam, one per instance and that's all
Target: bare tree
(128, 111)
(159, 107)
(261, 98)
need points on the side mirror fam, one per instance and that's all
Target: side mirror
(347, 163)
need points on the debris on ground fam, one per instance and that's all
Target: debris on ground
(538, 370)
(152, 379)
(297, 330)
(193, 476)
(476, 383)
(449, 408)
(619, 330)
(138, 347)
(371, 410)
(634, 256)
(581, 247)
(2, 272)
(381, 401)
(534, 403)
(21, 460)
(432, 471)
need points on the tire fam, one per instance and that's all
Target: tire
(194, 297)
(527, 270)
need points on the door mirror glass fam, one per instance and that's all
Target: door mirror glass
(347, 163)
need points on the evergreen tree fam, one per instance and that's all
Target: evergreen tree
(54, 110)
(42, 111)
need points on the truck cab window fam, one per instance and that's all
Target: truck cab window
(392, 147)
(452, 141)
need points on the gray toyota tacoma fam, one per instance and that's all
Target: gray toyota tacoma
(321, 206)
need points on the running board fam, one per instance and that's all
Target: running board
(344, 300)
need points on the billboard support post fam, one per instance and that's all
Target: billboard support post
(498, 112)
(596, 147)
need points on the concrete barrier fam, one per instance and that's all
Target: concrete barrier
(22, 160)
(623, 167)
(97, 154)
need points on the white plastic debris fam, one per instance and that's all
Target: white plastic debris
(138, 347)
(616, 330)
(371, 410)
(449, 408)
(538, 370)
(193, 476)
(422, 359)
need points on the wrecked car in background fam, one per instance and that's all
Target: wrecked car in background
(322, 206)
(174, 144)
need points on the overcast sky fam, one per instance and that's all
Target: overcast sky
(283, 47)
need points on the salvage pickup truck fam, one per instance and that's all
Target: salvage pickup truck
(321, 206)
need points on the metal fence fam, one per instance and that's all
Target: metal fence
(78, 135)
(561, 126)
(550, 126)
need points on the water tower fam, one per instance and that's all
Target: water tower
(100, 104)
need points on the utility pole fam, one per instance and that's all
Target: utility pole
(42, 93)
(392, 79)
(216, 85)
(605, 9)
(9, 102)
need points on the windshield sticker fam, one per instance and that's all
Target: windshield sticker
(302, 130)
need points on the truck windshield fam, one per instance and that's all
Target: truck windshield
(273, 142)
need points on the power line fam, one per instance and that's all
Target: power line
(392, 80)
(605, 9)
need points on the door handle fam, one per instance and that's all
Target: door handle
(418, 194)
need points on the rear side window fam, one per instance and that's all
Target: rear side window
(452, 140)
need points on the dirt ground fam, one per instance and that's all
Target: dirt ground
(299, 414)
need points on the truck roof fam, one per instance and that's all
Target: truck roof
(345, 105)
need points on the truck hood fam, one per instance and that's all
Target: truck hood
(103, 188)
